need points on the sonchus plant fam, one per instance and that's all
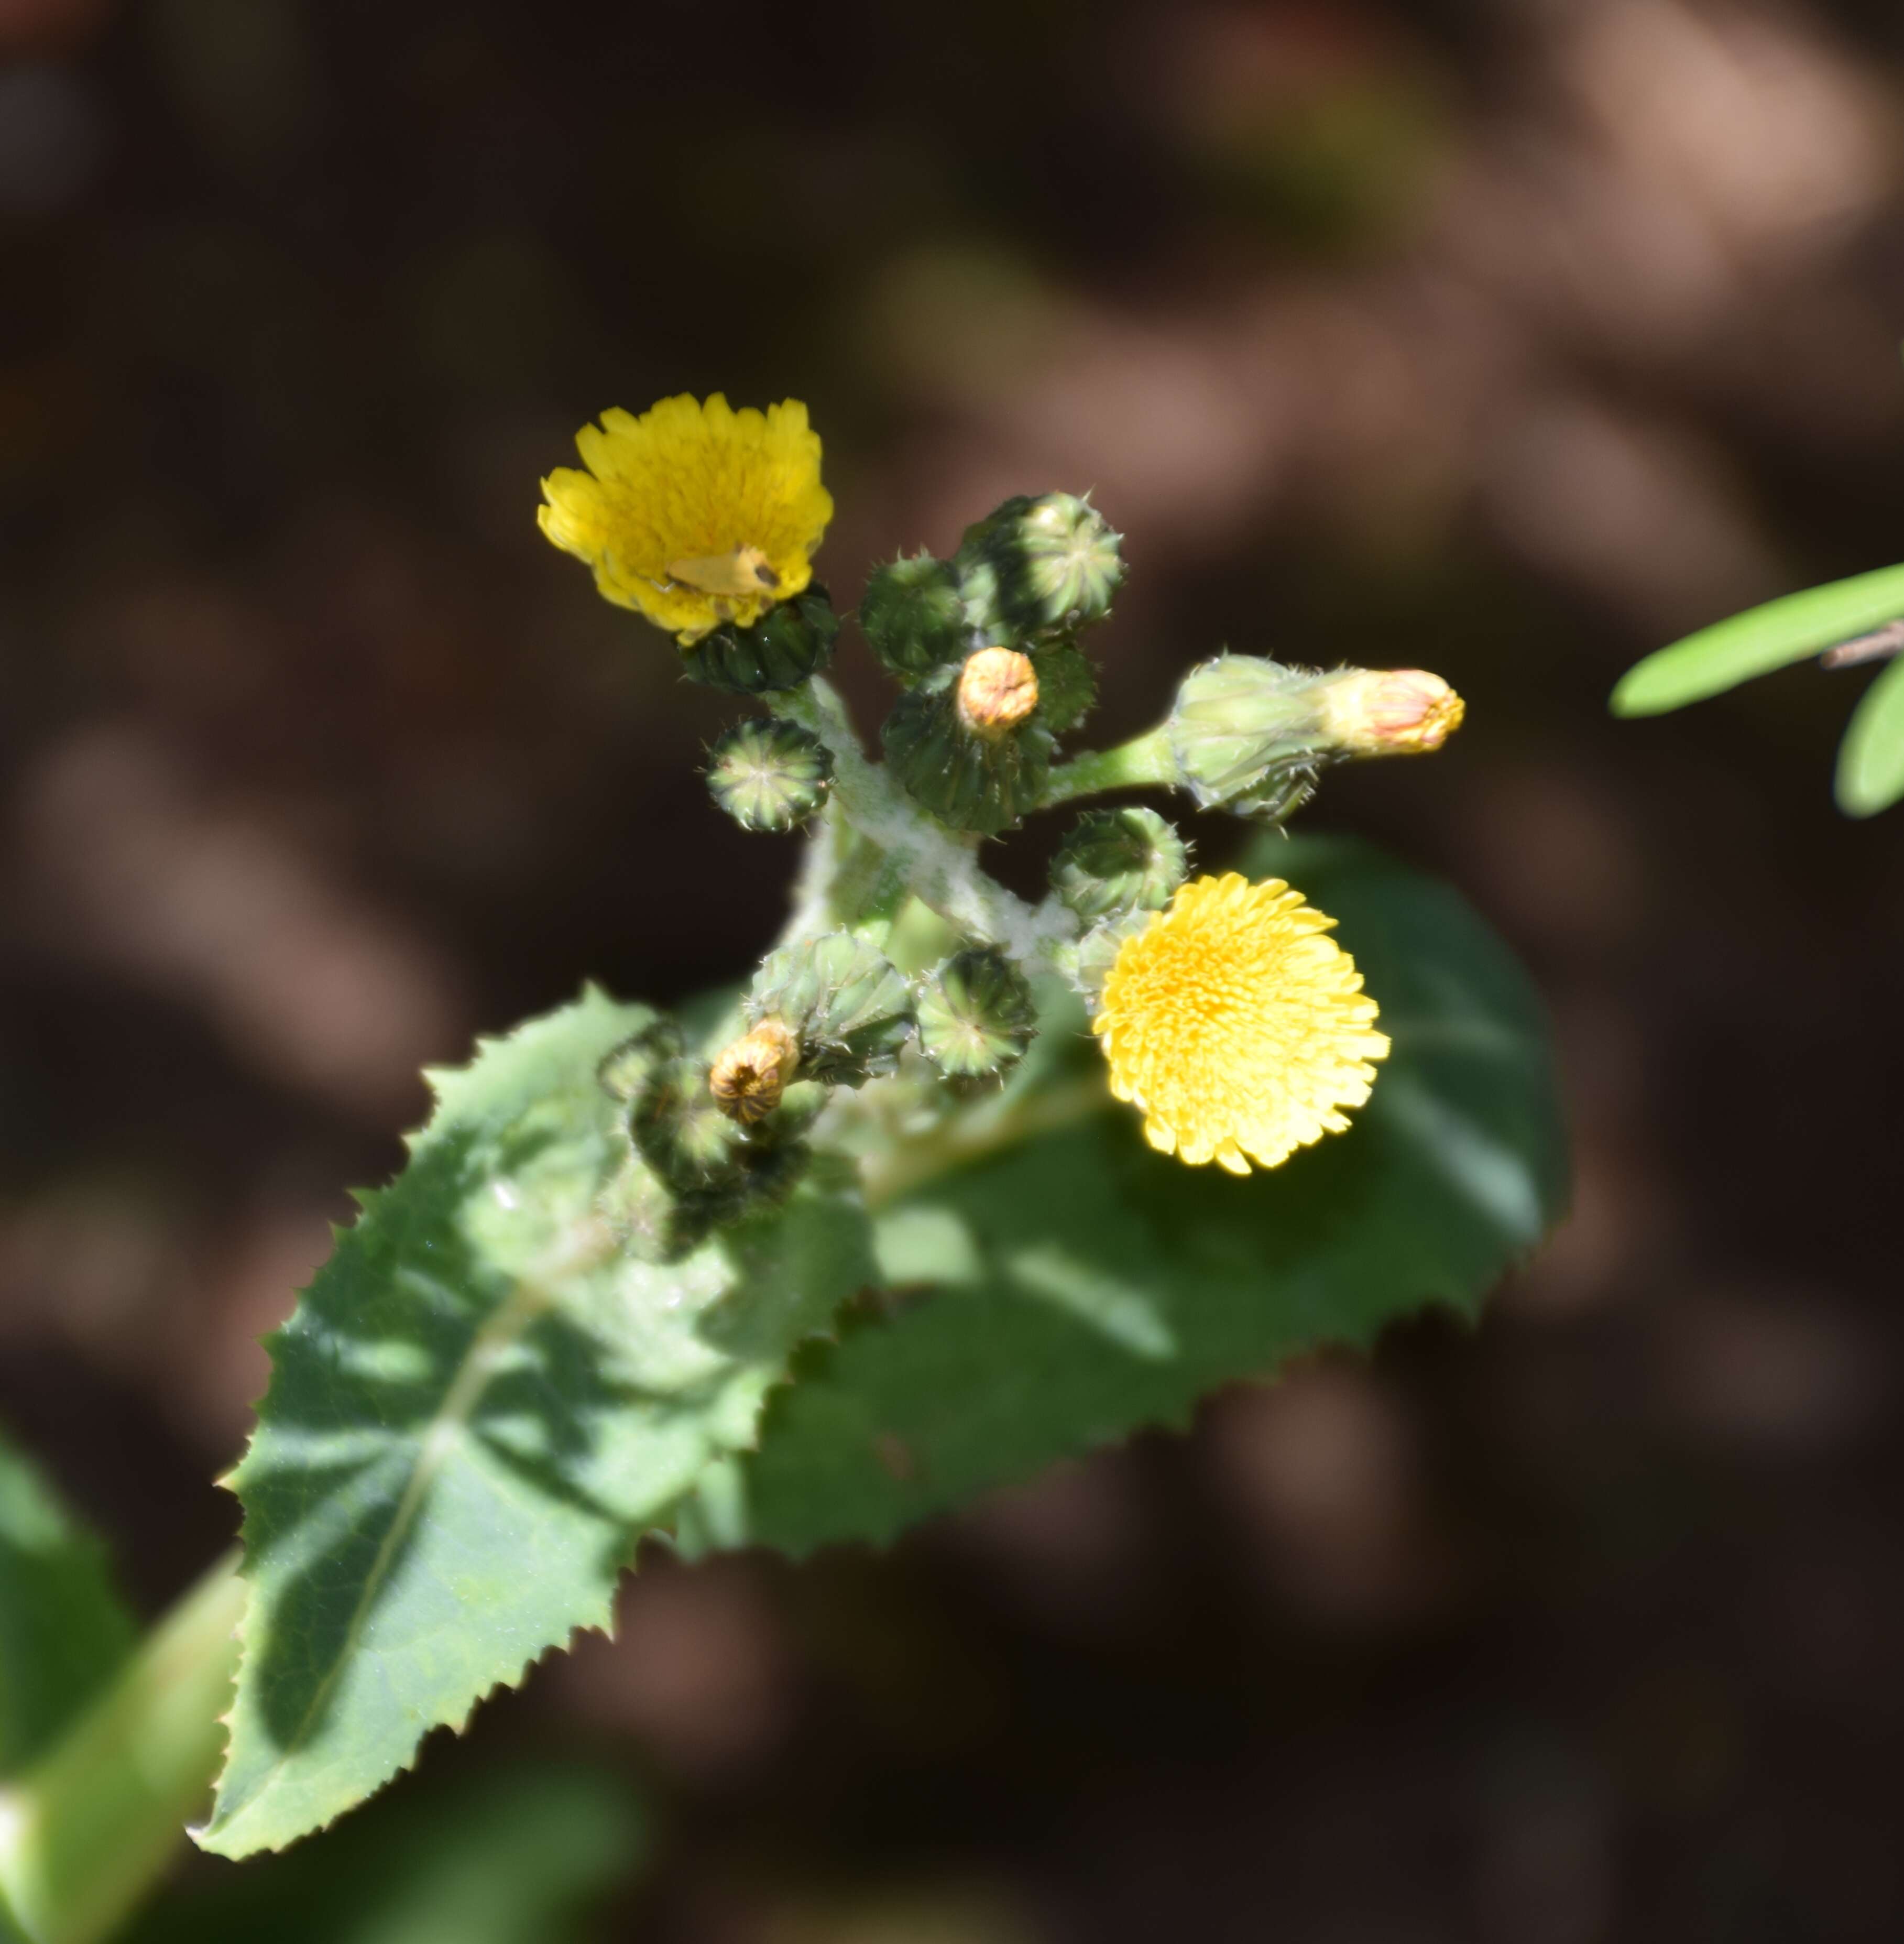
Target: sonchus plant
(954, 1184)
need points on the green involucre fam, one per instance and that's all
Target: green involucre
(976, 1014)
(1116, 861)
(769, 774)
(789, 642)
(971, 782)
(852, 1011)
(913, 615)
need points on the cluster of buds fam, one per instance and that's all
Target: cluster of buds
(985, 645)
(705, 519)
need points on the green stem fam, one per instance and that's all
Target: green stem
(940, 871)
(1144, 761)
(88, 1831)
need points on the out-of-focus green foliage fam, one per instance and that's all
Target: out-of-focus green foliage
(63, 1629)
(1756, 642)
(1871, 760)
(515, 1855)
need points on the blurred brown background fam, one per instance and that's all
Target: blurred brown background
(1512, 337)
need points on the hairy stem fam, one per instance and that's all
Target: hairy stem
(938, 869)
(1144, 761)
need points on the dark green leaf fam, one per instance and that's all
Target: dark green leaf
(1762, 639)
(1074, 1285)
(480, 1404)
(1870, 759)
(63, 1630)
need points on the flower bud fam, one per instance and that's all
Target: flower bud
(849, 1010)
(705, 1164)
(1115, 861)
(1067, 685)
(768, 774)
(997, 690)
(976, 1014)
(982, 778)
(747, 1076)
(1250, 736)
(1040, 566)
(624, 1068)
(913, 615)
(1389, 712)
(793, 640)
(1087, 961)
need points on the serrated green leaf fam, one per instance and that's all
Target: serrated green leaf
(1870, 758)
(63, 1629)
(1081, 1286)
(513, 1856)
(1782, 632)
(479, 1405)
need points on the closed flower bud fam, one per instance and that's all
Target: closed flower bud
(768, 774)
(684, 1133)
(976, 1015)
(789, 642)
(1049, 565)
(1116, 861)
(1389, 712)
(1250, 736)
(913, 615)
(1067, 686)
(997, 690)
(748, 1077)
(624, 1070)
(1246, 736)
(849, 1010)
(972, 778)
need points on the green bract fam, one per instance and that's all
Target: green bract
(852, 1011)
(1036, 566)
(768, 774)
(976, 1015)
(791, 641)
(914, 616)
(1115, 861)
(1245, 736)
(972, 782)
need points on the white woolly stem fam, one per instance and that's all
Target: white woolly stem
(941, 870)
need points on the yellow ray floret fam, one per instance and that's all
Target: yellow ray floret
(693, 514)
(1239, 1028)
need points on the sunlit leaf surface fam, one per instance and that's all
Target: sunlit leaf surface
(479, 1405)
(1061, 1291)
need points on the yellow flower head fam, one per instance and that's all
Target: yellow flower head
(693, 514)
(1240, 1030)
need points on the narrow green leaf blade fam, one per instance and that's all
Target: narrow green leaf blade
(1780, 632)
(1870, 758)
(63, 1629)
(478, 1406)
(1076, 1286)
